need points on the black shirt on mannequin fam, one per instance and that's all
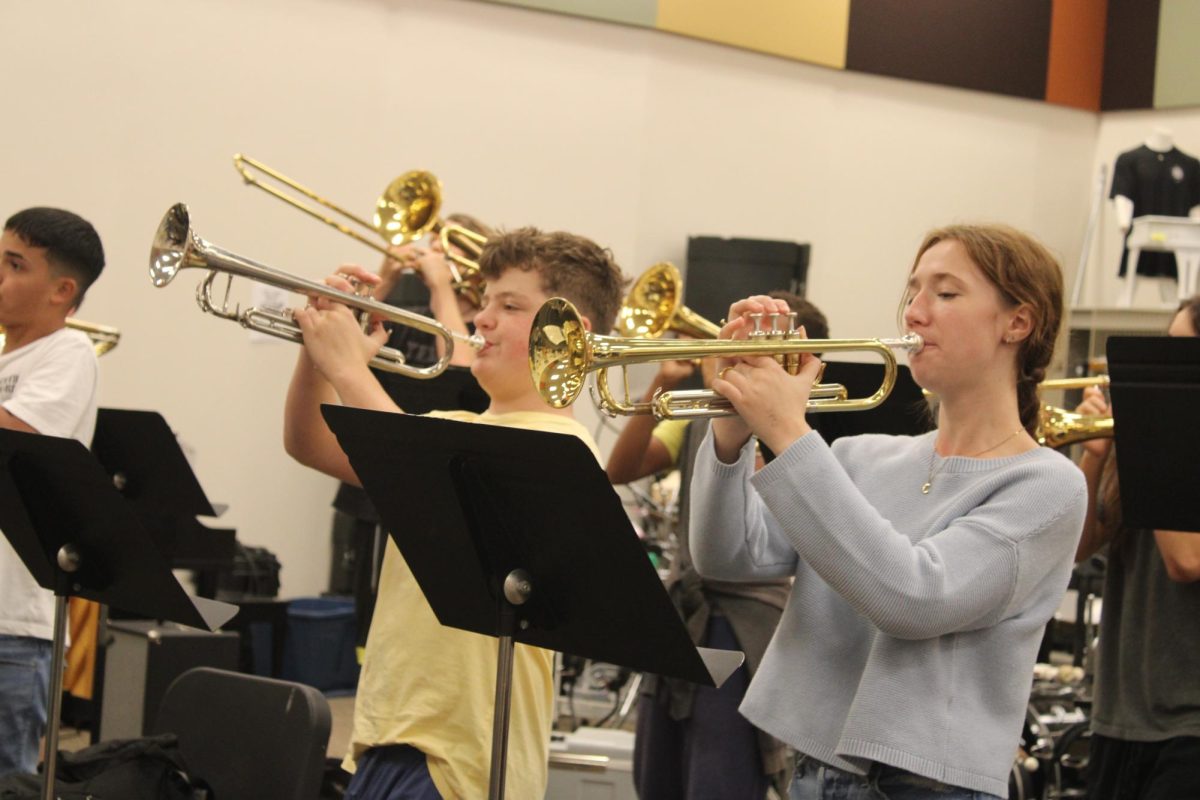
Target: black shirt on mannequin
(1166, 183)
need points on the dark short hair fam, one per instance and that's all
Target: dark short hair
(71, 243)
(569, 266)
(807, 314)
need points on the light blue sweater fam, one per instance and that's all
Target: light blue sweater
(911, 631)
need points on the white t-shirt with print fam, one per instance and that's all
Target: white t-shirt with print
(50, 385)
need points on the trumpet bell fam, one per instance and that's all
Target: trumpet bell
(558, 352)
(1058, 427)
(654, 306)
(409, 207)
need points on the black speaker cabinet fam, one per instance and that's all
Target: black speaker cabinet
(142, 659)
(720, 271)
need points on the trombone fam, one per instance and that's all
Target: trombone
(103, 337)
(176, 246)
(562, 352)
(654, 305)
(406, 211)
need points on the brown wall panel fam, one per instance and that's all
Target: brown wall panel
(974, 44)
(1130, 53)
(1076, 53)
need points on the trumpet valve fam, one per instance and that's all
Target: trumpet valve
(792, 360)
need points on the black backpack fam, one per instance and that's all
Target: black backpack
(149, 768)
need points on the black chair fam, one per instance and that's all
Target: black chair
(248, 737)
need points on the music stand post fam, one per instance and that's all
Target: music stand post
(519, 535)
(78, 537)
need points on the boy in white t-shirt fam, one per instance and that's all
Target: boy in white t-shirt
(48, 372)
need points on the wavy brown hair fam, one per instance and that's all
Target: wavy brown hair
(1025, 273)
(569, 266)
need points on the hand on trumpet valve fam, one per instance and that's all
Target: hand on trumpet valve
(333, 335)
(769, 399)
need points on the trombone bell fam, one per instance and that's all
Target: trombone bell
(407, 210)
(654, 305)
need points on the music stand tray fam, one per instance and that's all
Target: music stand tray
(78, 537)
(1155, 388)
(518, 534)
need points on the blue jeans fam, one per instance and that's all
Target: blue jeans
(711, 754)
(815, 780)
(392, 772)
(24, 683)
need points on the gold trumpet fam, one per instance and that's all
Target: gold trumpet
(1074, 383)
(1058, 427)
(654, 305)
(562, 352)
(103, 337)
(406, 211)
(176, 247)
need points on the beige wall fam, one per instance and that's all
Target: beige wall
(633, 137)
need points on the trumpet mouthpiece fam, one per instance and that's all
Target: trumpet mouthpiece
(912, 342)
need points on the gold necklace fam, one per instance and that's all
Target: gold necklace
(925, 487)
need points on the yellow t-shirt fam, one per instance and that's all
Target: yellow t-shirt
(433, 687)
(670, 432)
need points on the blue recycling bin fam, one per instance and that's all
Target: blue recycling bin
(319, 647)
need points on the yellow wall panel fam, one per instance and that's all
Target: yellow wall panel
(807, 30)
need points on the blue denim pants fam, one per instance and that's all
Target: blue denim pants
(24, 683)
(815, 780)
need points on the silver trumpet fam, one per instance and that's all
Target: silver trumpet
(176, 247)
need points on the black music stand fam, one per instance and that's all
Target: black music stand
(140, 452)
(1155, 392)
(905, 412)
(518, 534)
(78, 537)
